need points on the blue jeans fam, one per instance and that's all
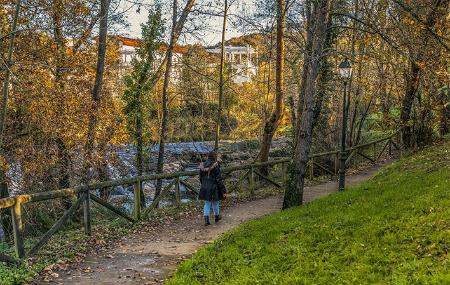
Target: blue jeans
(207, 208)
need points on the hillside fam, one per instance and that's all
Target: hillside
(393, 229)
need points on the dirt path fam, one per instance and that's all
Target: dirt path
(150, 257)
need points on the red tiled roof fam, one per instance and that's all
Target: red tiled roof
(130, 42)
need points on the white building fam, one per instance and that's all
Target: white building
(243, 61)
(128, 53)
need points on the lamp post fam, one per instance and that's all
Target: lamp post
(345, 72)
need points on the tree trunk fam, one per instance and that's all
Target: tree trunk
(356, 104)
(5, 214)
(176, 35)
(5, 90)
(96, 93)
(102, 165)
(318, 24)
(164, 116)
(221, 79)
(272, 124)
(268, 85)
(60, 61)
(444, 125)
(362, 121)
(325, 74)
(292, 111)
(140, 141)
(63, 166)
(307, 54)
(438, 11)
(140, 133)
(412, 85)
(139, 127)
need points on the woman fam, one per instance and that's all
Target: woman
(212, 188)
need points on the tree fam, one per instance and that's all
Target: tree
(138, 84)
(417, 58)
(96, 92)
(177, 27)
(3, 108)
(318, 13)
(96, 98)
(221, 76)
(272, 124)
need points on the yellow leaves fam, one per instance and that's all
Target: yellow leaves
(408, 21)
(4, 166)
(421, 64)
(80, 8)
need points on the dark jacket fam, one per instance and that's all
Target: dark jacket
(212, 187)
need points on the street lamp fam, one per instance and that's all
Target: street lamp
(345, 72)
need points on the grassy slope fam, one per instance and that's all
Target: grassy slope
(393, 229)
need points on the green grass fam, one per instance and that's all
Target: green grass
(393, 229)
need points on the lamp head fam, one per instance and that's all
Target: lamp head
(345, 69)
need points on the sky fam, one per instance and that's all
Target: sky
(211, 36)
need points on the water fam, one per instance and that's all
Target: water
(182, 147)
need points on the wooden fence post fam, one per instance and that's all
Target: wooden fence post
(390, 147)
(252, 180)
(16, 214)
(137, 200)
(87, 212)
(177, 191)
(311, 169)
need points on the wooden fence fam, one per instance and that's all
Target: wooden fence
(85, 196)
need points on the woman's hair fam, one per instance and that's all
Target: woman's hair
(212, 156)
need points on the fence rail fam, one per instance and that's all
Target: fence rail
(84, 195)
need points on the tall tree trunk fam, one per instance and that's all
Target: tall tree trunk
(5, 91)
(362, 121)
(444, 125)
(176, 35)
(320, 16)
(63, 166)
(268, 85)
(411, 87)
(292, 111)
(356, 104)
(439, 10)
(355, 37)
(140, 142)
(325, 74)
(164, 116)
(96, 93)
(221, 78)
(102, 166)
(139, 135)
(57, 14)
(272, 124)
(60, 61)
(5, 220)
(306, 56)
